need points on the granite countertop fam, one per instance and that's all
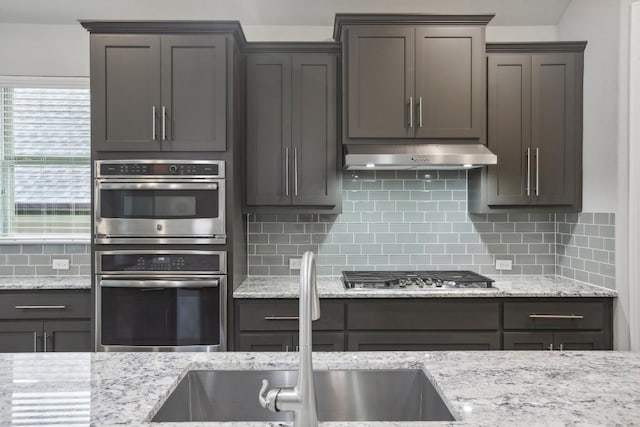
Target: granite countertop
(45, 282)
(480, 388)
(504, 286)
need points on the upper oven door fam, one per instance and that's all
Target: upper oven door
(158, 212)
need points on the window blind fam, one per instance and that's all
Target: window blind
(44, 160)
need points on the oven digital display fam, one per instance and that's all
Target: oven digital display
(160, 168)
(161, 260)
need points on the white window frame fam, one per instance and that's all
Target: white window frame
(45, 82)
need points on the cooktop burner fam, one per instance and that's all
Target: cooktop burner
(414, 279)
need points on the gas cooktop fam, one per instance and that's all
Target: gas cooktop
(414, 280)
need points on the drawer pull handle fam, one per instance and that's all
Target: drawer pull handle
(41, 307)
(556, 316)
(281, 318)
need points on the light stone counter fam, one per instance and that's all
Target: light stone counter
(45, 282)
(481, 388)
(504, 286)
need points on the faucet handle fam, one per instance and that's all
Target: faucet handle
(268, 398)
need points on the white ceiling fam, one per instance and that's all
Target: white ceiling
(272, 12)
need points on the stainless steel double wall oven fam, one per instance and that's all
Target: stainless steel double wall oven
(160, 286)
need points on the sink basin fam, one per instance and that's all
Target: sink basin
(348, 395)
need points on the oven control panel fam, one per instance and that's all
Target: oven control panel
(154, 262)
(160, 168)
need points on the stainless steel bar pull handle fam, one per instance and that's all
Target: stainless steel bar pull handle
(281, 318)
(411, 111)
(550, 347)
(40, 307)
(420, 112)
(528, 155)
(295, 171)
(164, 123)
(286, 171)
(35, 341)
(556, 316)
(537, 171)
(153, 122)
(45, 342)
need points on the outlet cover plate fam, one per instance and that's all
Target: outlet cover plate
(294, 263)
(60, 264)
(504, 264)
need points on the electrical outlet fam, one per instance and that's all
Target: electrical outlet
(294, 263)
(504, 264)
(60, 264)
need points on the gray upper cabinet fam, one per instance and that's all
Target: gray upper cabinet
(380, 81)
(292, 153)
(268, 129)
(152, 92)
(534, 126)
(449, 82)
(415, 77)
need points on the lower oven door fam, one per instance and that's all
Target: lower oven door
(161, 314)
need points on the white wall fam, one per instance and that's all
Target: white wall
(44, 50)
(598, 22)
(539, 33)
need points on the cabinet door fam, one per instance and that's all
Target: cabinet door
(323, 341)
(125, 92)
(449, 82)
(271, 341)
(314, 130)
(423, 341)
(20, 336)
(380, 81)
(553, 128)
(269, 129)
(580, 341)
(194, 93)
(67, 335)
(528, 340)
(509, 114)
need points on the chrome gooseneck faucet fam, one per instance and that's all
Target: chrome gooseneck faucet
(300, 399)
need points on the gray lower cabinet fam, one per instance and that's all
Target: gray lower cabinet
(534, 127)
(416, 324)
(20, 336)
(423, 341)
(573, 324)
(17, 336)
(286, 341)
(158, 92)
(574, 340)
(406, 80)
(272, 325)
(292, 153)
(45, 320)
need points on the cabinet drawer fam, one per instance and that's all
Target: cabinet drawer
(424, 315)
(554, 315)
(282, 315)
(45, 304)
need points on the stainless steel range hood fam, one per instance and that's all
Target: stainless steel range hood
(417, 156)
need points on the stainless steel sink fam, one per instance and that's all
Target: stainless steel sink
(349, 395)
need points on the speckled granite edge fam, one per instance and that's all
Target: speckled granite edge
(482, 388)
(504, 286)
(45, 282)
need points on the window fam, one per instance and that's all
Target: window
(45, 169)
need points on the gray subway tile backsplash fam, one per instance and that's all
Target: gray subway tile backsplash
(418, 220)
(35, 259)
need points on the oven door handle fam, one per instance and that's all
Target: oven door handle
(158, 185)
(156, 283)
